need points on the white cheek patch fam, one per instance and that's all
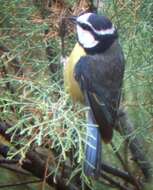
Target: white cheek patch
(86, 38)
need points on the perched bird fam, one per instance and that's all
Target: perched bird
(93, 75)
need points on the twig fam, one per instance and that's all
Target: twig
(125, 127)
(15, 168)
(45, 174)
(20, 183)
(135, 182)
(116, 172)
(113, 182)
(62, 33)
(6, 161)
(110, 170)
(37, 166)
(118, 155)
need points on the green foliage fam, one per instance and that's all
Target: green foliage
(38, 109)
(134, 21)
(70, 2)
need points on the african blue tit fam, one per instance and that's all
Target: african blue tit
(93, 75)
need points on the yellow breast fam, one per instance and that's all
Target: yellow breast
(71, 84)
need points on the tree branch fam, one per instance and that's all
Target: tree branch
(113, 182)
(125, 127)
(35, 164)
(117, 172)
(20, 183)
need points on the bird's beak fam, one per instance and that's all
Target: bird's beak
(73, 19)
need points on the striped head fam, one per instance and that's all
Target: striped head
(95, 33)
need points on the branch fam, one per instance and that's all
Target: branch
(15, 168)
(6, 161)
(38, 168)
(128, 178)
(125, 127)
(118, 156)
(37, 165)
(20, 183)
(113, 182)
(117, 172)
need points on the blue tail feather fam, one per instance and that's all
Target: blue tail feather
(93, 151)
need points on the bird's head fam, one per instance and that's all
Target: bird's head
(95, 33)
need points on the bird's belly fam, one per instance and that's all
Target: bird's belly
(71, 84)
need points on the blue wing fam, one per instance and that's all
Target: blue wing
(100, 83)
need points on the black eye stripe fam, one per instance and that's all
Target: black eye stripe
(85, 26)
(88, 28)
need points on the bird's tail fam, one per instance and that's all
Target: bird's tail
(92, 161)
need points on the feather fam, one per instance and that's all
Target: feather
(93, 148)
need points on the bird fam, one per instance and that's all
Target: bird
(93, 76)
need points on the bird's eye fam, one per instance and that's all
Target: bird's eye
(85, 26)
